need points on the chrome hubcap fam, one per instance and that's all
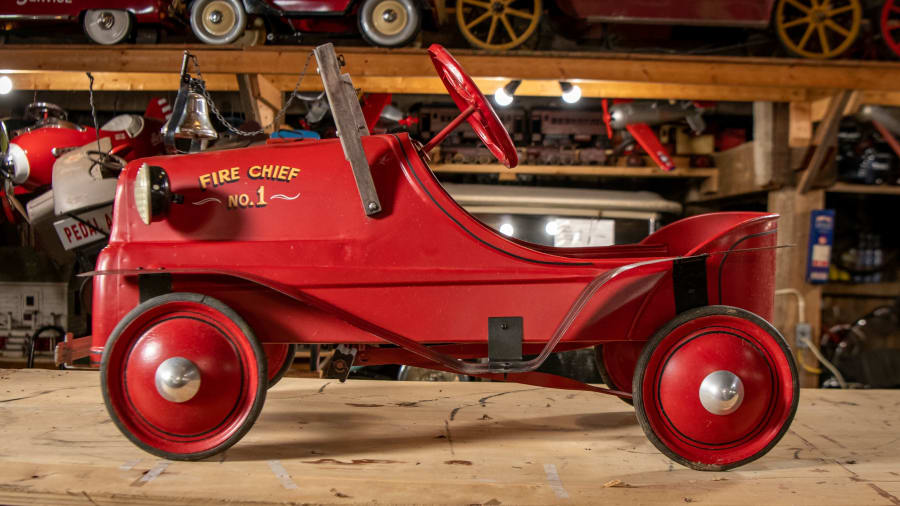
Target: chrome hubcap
(215, 17)
(389, 15)
(177, 379)
(106, 21)
(721, 392)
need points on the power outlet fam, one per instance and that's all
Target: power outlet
(803, 333)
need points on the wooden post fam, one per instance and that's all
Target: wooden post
(824, 137)
(793, 228)
(260, 99)
(800, 132)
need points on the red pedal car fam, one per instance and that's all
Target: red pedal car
(104, 21)
(220, 262)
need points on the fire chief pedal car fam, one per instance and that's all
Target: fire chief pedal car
(219, 262)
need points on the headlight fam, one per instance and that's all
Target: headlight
(21, 169)
(153, 193)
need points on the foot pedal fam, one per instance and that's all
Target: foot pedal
(338, 366)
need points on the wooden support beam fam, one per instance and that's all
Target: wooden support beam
(372, 62)
(141, 81)
(410, 71)
(824, 137)
(790, 272)
(801, 125)
(260, 99)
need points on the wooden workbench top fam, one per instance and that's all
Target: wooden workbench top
(320, 441)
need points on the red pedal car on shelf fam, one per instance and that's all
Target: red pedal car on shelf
(220, 262)
(104, 22)
(387, 23)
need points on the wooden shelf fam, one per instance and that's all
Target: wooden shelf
(576, 170)
(880, 290)
(611, 75)
(864, 188)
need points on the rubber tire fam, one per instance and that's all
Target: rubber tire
(129, 30)
(414, 15)
(662, 334)
(245, 329)
(604, 374)
(232, 35)
(285, 366)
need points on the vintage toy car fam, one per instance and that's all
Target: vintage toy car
(806, 28)
(104, 22)
(220, 261)
(388, 23)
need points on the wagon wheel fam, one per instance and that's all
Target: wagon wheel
(497, 24)
(616, 362)
(817, 28)
(715, 388)
(279, 358)
(890, 25)
(183, 376)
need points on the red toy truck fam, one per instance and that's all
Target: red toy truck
(219, 262)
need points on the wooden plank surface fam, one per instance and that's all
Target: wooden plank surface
(320, 441)
(410, 71)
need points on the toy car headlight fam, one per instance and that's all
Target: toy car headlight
(20, 166)
(153, 193)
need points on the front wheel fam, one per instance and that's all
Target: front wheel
(183, 376)
(389, 23)
(218, 21)
(715, 388)
(280, 358)
(107, 26)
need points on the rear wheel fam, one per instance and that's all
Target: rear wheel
(616, 362)
(715, 388)
(890, 25)
(218, 21)
(389, 23)
(817, 29)
(107, 26)
(280, 358)
(183, 376)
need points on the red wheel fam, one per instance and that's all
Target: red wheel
(890, 25)
(466, 95)
(279, 358)
(715, 388)
(183, 376)
(616, 362)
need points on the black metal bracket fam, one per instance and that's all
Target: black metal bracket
(505, 338)
(338, 367)
(154, 285)
(689, 283)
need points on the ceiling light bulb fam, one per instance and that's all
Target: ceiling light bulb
(502, 98)
(507, 229)
(571, 93)
(6, 85)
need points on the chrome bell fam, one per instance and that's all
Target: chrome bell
(194, 123)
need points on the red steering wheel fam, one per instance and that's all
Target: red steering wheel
(475, 108)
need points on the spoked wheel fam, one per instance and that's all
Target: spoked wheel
(107, 26)
(279, 357)
(715, 388)
(818, 28)
(616, 362)
(183, 376)
(218, 21)
(890, 25)
(497, 24)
